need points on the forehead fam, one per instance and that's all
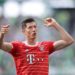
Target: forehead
(30, 24)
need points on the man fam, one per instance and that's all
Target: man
(31, 57)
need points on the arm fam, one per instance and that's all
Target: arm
(4, 45)
(66, 39)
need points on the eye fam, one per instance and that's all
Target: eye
(34, 26)
(30, 27)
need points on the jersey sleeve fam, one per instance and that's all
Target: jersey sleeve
(15, 46)
(51, 47)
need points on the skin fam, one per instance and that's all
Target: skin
(30, 32)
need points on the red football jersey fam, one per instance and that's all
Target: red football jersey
(32, 60)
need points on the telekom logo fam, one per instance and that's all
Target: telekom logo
(31, 58)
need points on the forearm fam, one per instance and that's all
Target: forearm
(1, 39)
(63, 33)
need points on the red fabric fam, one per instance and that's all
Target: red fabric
(32, 60)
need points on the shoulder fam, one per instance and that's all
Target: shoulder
(16, 43)
(48, 45)
(47, 42)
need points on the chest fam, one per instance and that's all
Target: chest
(32, 54)
(38, 50)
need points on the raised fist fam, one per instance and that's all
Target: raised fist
(49, 21)
(4, 29)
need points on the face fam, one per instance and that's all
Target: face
(30, 30)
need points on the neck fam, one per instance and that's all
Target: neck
(31, 41)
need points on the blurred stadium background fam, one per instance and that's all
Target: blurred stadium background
(12, 12)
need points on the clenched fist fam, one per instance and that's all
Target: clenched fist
(4, 29)
(49, 21)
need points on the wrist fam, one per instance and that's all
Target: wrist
(2, 34)
(54, 24)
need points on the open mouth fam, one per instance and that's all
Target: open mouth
(33, 33)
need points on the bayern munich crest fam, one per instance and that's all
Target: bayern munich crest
(41, 48)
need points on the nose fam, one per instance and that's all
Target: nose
(34, 29)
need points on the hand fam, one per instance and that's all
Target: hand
(4, 29)
(49, 22)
